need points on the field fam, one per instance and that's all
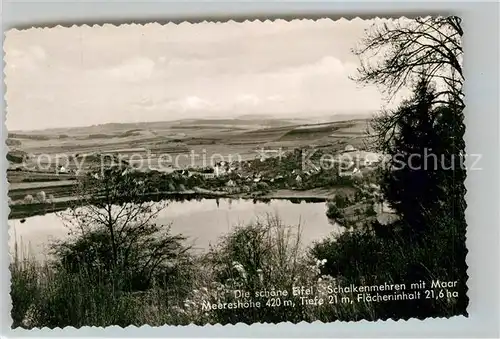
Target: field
(183, 134)
(36, 157)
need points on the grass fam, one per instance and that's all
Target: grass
(261, 256)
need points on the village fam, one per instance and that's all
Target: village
(303, 173)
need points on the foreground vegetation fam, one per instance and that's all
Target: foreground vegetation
(82, 287)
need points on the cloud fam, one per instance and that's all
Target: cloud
(145, 102)
(27, 59)
(326, 65)
(248, 99)
(184, 104)
(193, 70)
(135, 69)
(38, 52)
(275, 98)
(193, 103)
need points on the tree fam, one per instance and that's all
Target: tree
(114, 230)
(425, 132)
(424, 179)
(414, 181)
(423, 47)
(424, 55)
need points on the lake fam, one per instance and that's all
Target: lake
(203, 222)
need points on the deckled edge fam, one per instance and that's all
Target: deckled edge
(6, 277)
(186, 22)
(6, 207)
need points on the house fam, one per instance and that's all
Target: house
(208, 175)
(231, 183)
(219, 168)
(370, 158)
(383, 207)
(185, 173)
(357, 173)
(371, 162)
(385, 214)
(349, 148)
(387, 218)
(298, 178)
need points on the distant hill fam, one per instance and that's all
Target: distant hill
(108, 130)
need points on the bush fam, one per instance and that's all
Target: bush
(29, 199)
(384, 255)
(90, 256)
(267, 255)
(25, 288)
(41, 196)
(42, 296)
(341, 200)
(79, 288)
(333, 212)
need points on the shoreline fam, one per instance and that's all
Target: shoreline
(21, 211)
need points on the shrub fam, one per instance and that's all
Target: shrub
(341, 200)
(142, 258)
(41, 196)
(25, 289)
(333, 211)
(384, 255)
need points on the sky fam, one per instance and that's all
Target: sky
(82, 75)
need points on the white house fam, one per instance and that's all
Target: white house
(208, 175)
(219, 168)
(383, 208)
(385, 214)
(231, 183)
(349, 148)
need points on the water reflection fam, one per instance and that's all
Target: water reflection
(203, 221)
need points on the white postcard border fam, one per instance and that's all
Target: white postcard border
(481, 67)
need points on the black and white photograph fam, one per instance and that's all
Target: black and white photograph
(236, 172)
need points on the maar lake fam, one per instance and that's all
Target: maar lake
(203, 222)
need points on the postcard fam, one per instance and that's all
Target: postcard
(236, 172)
